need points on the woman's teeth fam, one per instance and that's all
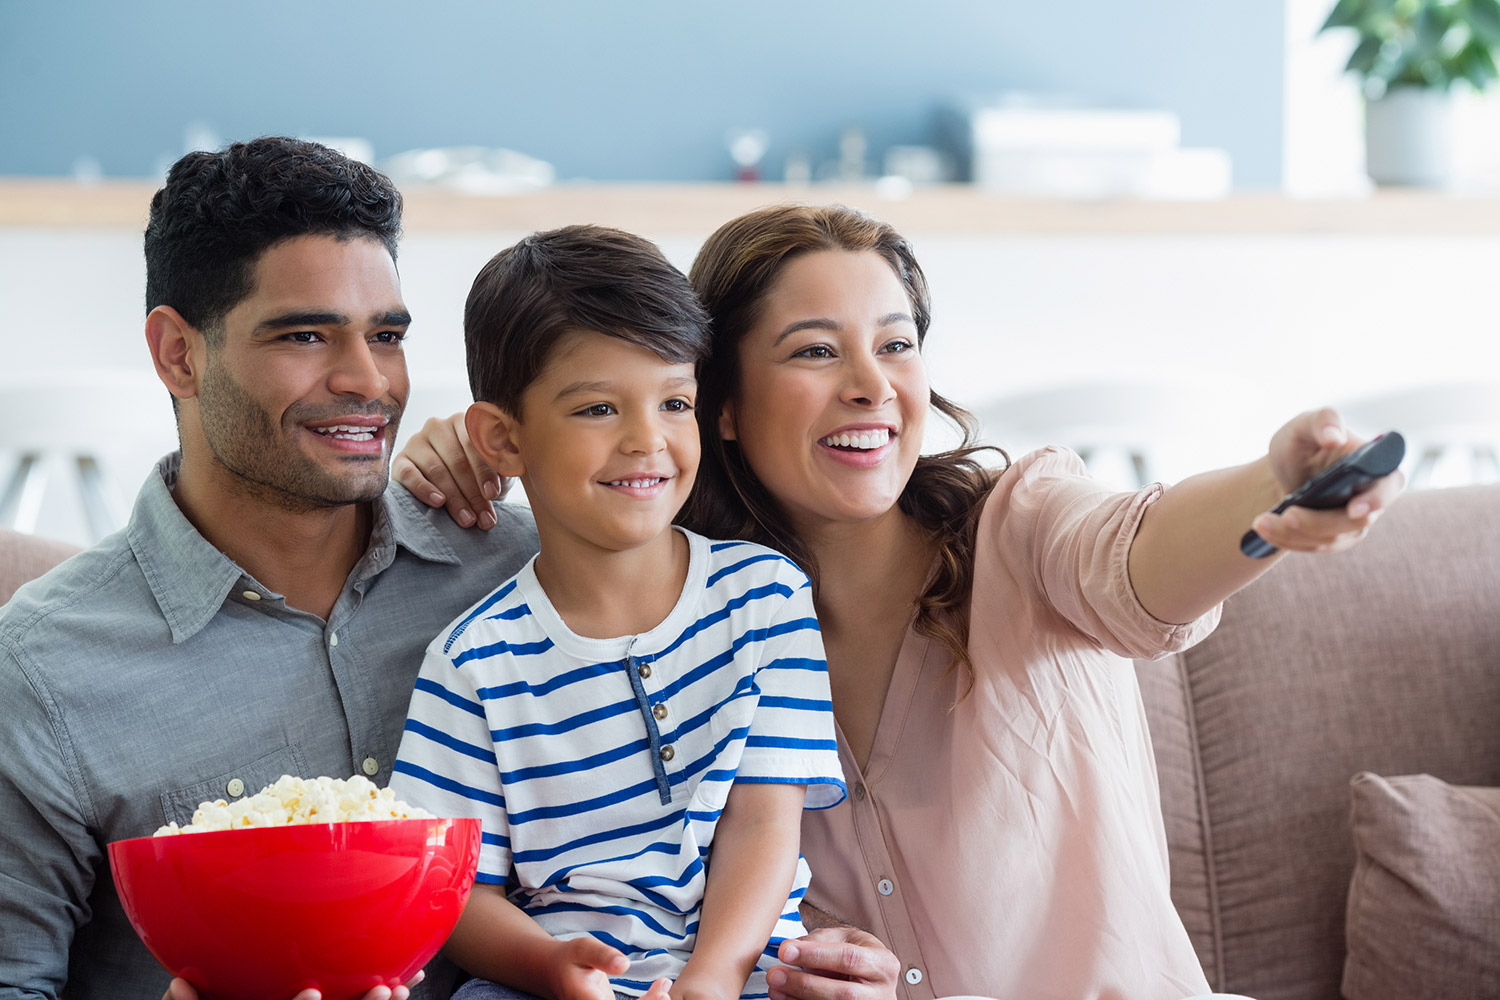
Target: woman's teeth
(345, 433)
(863, 440)
(638, 484)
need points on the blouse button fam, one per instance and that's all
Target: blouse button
(914, 975)
(859, 791)
(667, 753)
(660, 711)
(886, 886)
(235, 788)
(644, 670)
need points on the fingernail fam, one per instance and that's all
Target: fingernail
(1359, 508)
(465, 517)
(436, 499)
(790, 953)
(775, 976)
(486, 520)
(491, 490)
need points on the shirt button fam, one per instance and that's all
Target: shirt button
(235, 788)
(333, 638)
(660, 711)
(859, 791)
(370, 766)
(886, 886)
(250, 595)
(667, 753)
(914, 975)
(644, 670)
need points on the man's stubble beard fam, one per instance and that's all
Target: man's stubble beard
(257, 452)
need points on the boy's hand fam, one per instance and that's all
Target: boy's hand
(440, 467)
(1306, 445)
(582, 969)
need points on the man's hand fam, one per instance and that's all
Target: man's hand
(181, 989)
(440, 467)
(834, 963)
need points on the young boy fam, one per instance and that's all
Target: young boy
(639, 715)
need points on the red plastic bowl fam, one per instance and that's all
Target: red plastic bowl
(262, 913)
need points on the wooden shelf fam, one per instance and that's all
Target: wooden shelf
(696, 209)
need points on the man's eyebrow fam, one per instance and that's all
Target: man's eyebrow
(293, 320)
(823, 323)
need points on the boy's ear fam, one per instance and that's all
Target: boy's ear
(492, 432)
(726, 421)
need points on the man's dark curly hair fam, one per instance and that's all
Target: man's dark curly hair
(219, 212)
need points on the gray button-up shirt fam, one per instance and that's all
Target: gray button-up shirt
(151, 673)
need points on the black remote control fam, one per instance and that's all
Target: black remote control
(1336, 485)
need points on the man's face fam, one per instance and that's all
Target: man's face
(300, 401)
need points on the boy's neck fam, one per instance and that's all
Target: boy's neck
(603, 594)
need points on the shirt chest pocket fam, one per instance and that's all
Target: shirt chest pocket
(179, 804)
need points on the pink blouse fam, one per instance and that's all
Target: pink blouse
(1010, 843)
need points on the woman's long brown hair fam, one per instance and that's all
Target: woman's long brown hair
(732, 274)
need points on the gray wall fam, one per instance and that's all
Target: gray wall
(611, 89)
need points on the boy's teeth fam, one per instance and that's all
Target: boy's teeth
(864, 440)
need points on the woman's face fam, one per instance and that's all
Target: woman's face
(833, 391)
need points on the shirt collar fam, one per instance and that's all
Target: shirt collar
(190, 578)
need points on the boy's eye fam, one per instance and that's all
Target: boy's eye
(677, 406)
(815, 351)
(597, 410)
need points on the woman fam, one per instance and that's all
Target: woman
(1003, 835)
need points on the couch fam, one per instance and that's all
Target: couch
(1386, 660)
(23, 557)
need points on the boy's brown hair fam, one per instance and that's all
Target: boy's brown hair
(578, 278)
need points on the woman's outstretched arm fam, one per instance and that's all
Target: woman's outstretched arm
(1186, 555)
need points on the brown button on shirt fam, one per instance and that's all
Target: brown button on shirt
(1009, 843)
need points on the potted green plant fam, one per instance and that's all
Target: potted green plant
(1410, 54)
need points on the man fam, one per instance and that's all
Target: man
(264, 611)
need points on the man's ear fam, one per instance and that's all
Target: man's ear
(492, 432)
(178, 350)
(726, 421)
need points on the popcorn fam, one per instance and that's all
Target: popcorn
(292, 800)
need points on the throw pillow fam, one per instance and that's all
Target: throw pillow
(1424, 902)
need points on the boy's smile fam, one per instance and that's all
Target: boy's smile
(609, 444)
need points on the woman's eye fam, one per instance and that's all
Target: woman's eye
(677, 406)
(597, 410)
(900, 346)
(815, 351)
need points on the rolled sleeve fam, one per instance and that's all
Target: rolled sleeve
(1073, 536)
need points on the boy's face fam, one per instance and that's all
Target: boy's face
(608, 442)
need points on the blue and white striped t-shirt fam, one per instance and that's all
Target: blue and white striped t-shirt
(599, 767)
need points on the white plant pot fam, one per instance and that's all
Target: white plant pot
(1409, 137)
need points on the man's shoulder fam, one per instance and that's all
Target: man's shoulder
(82, 586)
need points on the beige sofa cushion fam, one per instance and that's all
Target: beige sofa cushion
(1385, 659)
(25, 557)
(1424, 903)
